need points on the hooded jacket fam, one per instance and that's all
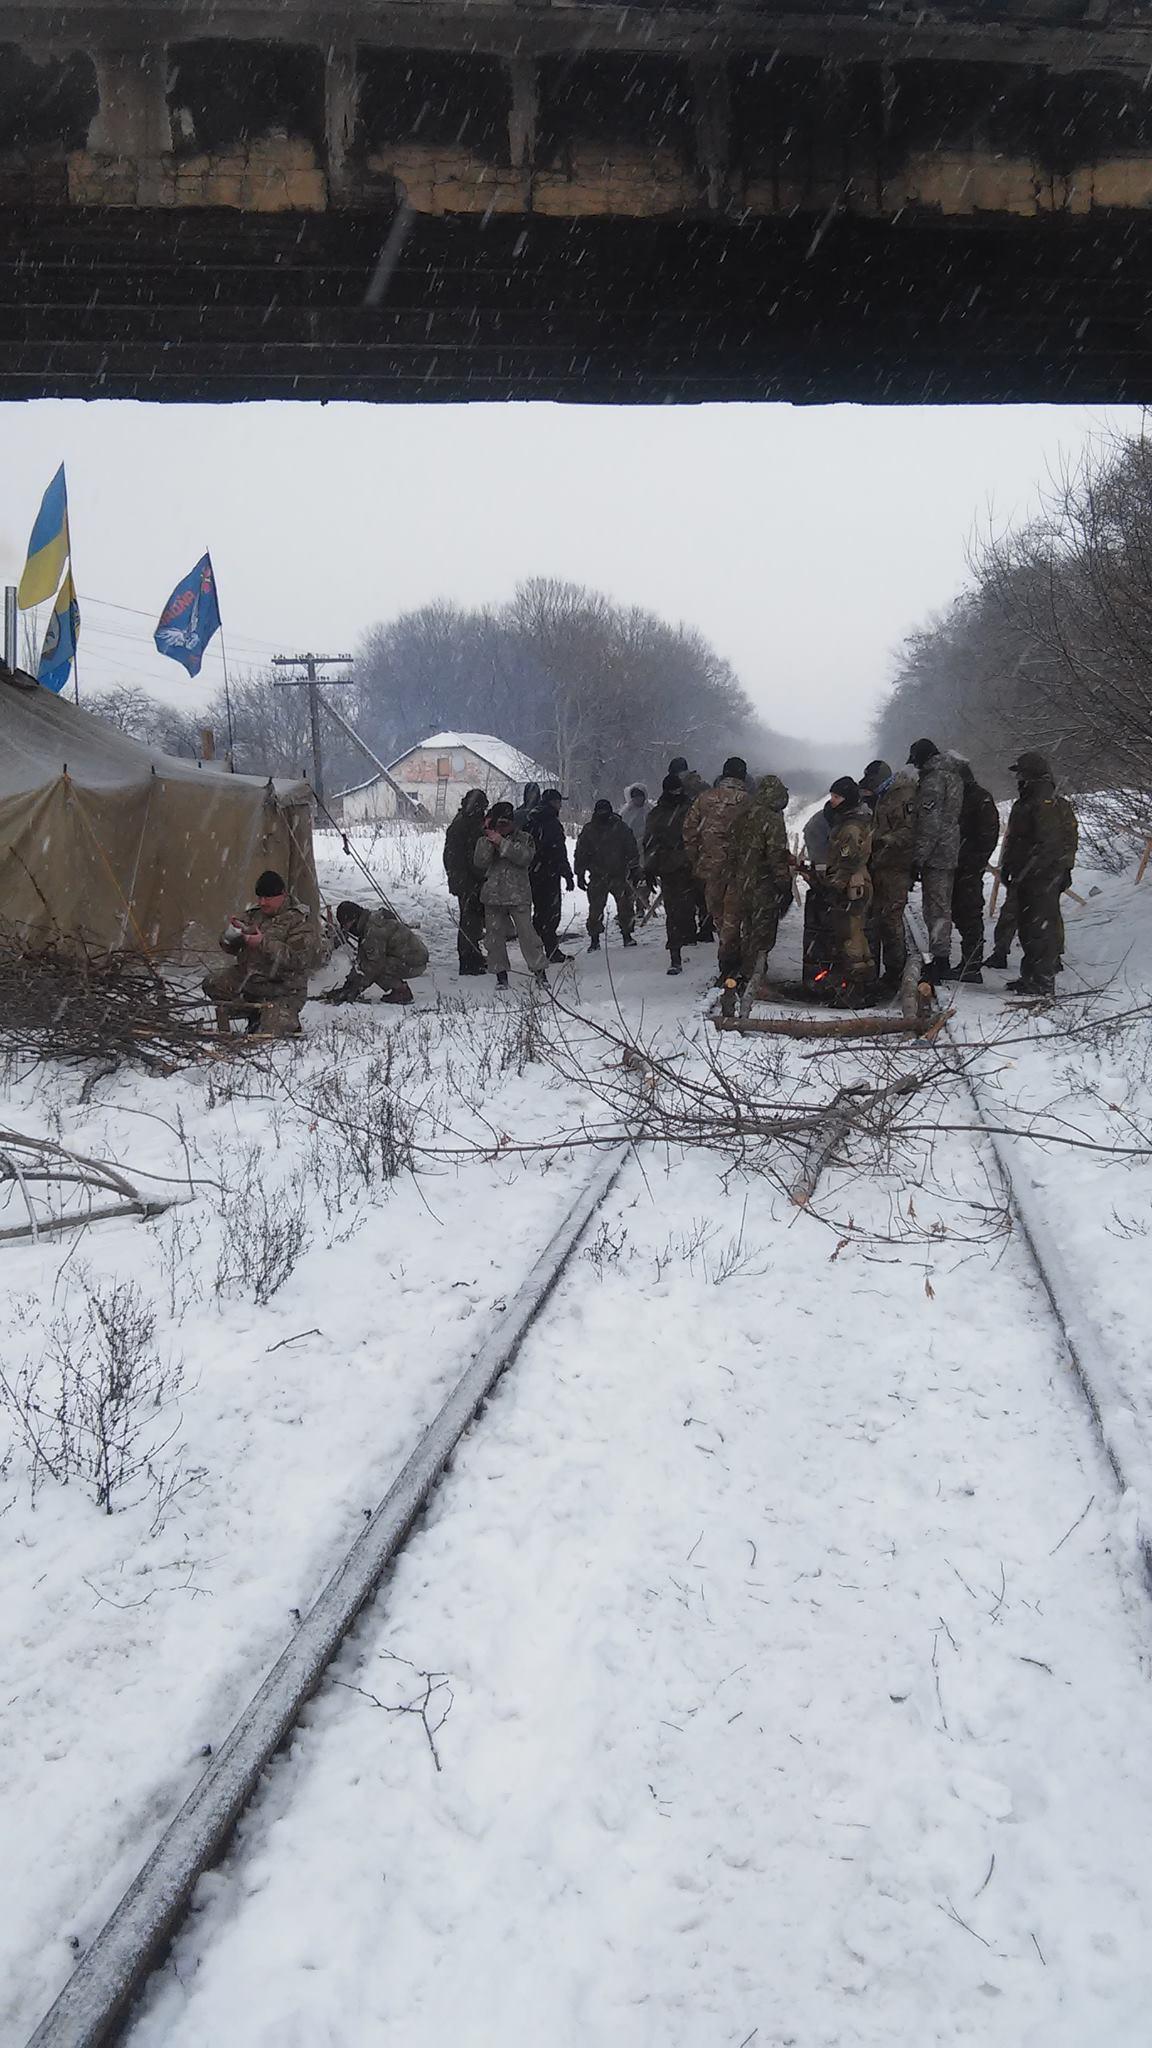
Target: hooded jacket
(760, 844)
(894, 822)
(388, 950)
(607, 849)
(460, 844)
(635, 816)
(1042, 835)
(708, 826)
(936, 843)
(665, 854)
(979, 824)
(551, 845)
(524, 810)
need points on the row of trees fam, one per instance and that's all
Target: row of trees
(601, 693)
(1050, 646)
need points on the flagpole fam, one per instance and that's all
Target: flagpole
(224, 659)
(71, 571)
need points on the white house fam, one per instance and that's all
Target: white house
(437, 774)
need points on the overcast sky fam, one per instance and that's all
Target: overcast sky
(804, 542)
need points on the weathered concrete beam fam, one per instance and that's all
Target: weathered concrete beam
(535, 28)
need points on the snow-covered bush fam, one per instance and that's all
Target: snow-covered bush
(97, 1403)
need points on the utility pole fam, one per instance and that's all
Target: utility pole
(310, 663)
(11, 650)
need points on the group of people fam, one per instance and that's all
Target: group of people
(931, 822)
(718, 856)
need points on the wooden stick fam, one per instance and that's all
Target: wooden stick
(1144, 859)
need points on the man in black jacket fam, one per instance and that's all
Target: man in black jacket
(979, 833)
(464, 882)
(550, 868)
(607, 860)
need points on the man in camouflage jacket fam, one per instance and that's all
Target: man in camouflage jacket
(895, 801)
(937, 844)
(848, 885)
(764, 869)
(271, 949)
(708, 837)
(388, 953)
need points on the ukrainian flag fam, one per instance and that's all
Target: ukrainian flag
(48, 547)
(59, 651)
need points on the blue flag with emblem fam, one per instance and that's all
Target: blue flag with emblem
(190, 618)
(59, 649)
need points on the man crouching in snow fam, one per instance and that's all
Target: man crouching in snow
(271, 949)
(387, 953)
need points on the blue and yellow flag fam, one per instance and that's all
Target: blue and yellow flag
(59, 650)
(48, 547)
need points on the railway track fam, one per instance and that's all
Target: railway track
(94, 2004)
(92, 2009)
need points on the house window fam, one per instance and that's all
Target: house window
(459, 764)
(443, 767)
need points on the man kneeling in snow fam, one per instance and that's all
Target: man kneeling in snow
(387, 952)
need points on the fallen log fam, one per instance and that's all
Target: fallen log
(837, 1027)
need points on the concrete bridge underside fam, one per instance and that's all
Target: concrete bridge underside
(515, 199)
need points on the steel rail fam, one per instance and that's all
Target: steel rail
(1082, 1341)
(94, 2003)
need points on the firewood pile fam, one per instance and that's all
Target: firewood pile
(113, 1009)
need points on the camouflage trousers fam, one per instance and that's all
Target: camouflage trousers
(852, 962)
(722, 901)
(760, 926)
(238, 992)
(889, 902)
(936, 902)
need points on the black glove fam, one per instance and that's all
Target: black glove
(569, 884)
(583, 881)
(1065, 880)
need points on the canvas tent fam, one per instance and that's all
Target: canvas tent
(108, 844)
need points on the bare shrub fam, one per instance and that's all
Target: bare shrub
(96, 1405)
(265, 1234)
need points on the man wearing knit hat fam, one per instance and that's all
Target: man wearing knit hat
(270, 949)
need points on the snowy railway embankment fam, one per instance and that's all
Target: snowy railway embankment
(782, 1605)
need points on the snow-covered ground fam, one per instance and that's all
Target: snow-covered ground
(777, 1705)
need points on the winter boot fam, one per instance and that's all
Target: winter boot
(502, 978)
(628, 939)
(997, 959)
(973, 977)
(675, 964)
(401, 993)
(1041, 985)
(942, 969)
(594, 943)
(676, 968)
(559, 959)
